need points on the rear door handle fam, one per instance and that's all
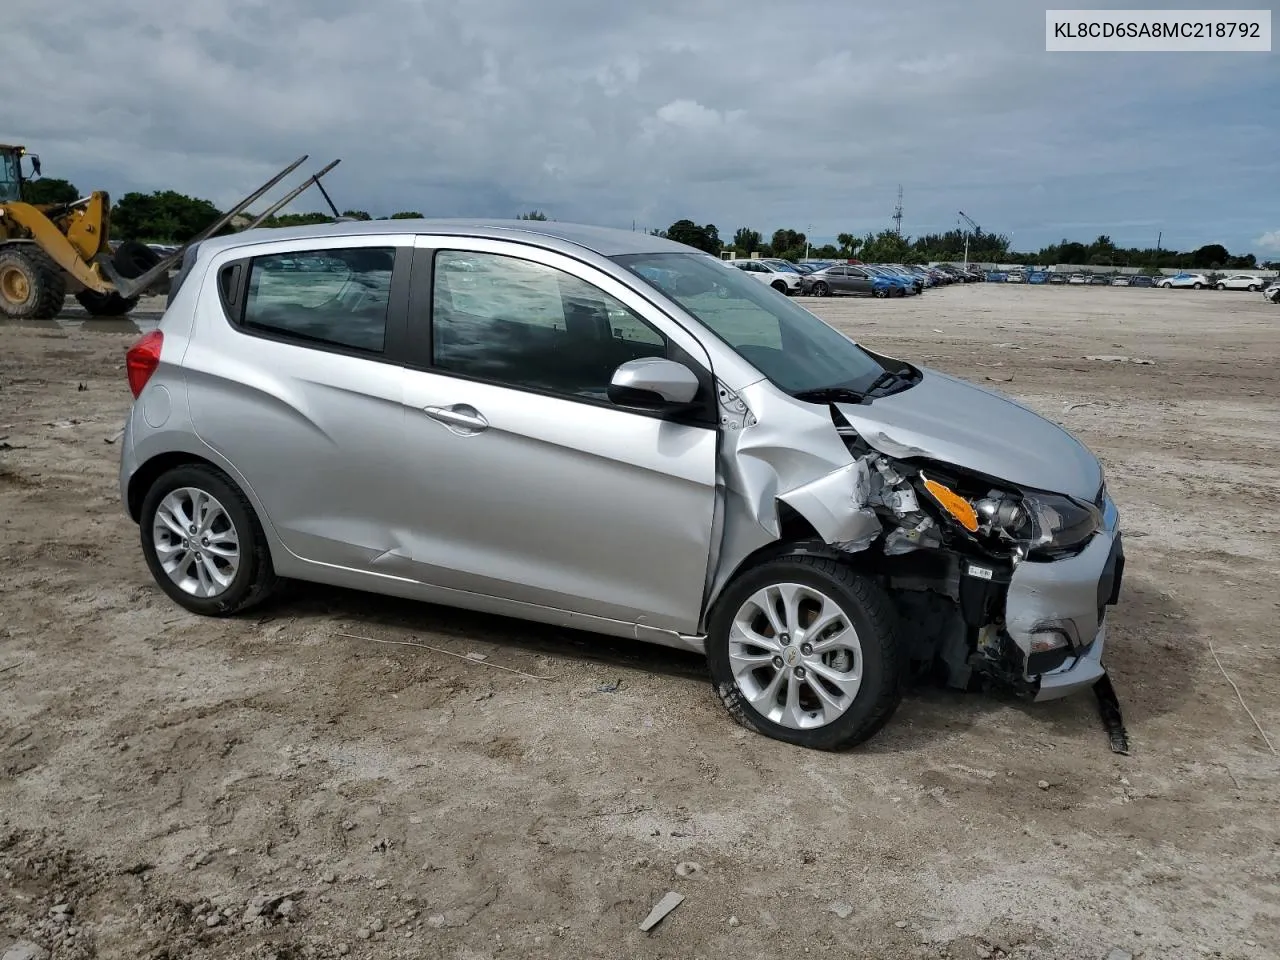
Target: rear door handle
(460, 418)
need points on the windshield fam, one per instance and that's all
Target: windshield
(10, 184)
(788, 344)
(782, 266)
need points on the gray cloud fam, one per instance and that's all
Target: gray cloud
(760, 114)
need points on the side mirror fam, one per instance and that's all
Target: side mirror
(653, 383)
(35, 163)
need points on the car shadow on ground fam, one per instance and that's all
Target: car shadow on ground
(1151, 661)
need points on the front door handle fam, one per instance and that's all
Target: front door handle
(460, 418)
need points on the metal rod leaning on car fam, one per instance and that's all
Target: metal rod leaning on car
(127, 288)
(447, 653)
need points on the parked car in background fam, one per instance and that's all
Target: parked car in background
(880, 271)
(1037, 276)
(1120, 280)
(1240, 281)
(785, 279)
(1272, 293)
(900, 270)
(819, 521)
(1100, 279)
(1077, 278)
(841, 278)
(1141, 280)
(1193, 281)
(1015, 276)
(1055, 277)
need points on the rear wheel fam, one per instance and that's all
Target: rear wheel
(820, 289)
(1197, 285)
(203, 543)
(32, 286)
(880, 292)
(1254, 288)
(803, 649)
(1222, 286)
(779, 286)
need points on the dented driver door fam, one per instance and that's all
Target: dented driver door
(529, 485)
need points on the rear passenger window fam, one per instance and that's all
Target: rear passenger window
(524, 324)
(338, 297)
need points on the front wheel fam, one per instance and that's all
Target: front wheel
(820, 289)
(1197, 285)
(779, 286)
(803, 649)
(203, 543)
(1222, 286)
(1254, 288)
(880, 292)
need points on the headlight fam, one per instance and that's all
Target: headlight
(1039, 525)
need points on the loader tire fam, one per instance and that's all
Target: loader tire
(106, 304)
(32, 286)
(132, 259)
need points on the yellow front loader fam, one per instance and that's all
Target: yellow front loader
(50, 250)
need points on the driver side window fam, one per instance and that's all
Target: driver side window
(524, 324)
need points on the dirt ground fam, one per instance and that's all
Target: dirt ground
(263, 787)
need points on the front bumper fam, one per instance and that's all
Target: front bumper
(1055, 612)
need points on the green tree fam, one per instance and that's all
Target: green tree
(849, 245)
(49, 190)
(295, 219)
(357, 214)
(407, 215)
(788, 244)
(1212, 255)
(746, 241)
(164, 216)
(702, 238)
(532, 215)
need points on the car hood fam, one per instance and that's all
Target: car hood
(947, 419)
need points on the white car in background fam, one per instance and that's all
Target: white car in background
(1272, 293)
(1240, 281)
(1193, 280)
(777, 274)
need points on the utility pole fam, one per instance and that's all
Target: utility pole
(808, 241)
(897, 213)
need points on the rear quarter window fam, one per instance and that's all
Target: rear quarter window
(337, 297)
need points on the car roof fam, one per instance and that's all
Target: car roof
(606, 241)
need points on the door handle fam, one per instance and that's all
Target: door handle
(460, 418)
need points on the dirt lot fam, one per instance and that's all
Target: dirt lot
(158, 772)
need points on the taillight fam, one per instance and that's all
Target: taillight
(142, 359)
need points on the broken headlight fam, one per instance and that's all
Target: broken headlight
(1032, 525)
(1039, 525)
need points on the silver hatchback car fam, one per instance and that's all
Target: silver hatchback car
(610, 431)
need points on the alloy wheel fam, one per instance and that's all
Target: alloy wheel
(196, 542)
(795, 655)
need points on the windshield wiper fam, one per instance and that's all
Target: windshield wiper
(830, 395)
(883, 380)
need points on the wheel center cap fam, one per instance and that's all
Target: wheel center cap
(792, 656)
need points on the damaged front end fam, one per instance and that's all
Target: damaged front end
(996, 584)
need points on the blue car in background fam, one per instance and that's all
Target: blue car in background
(902, 282)
(1038, 276)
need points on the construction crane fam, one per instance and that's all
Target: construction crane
(897, 213)
(973, 228)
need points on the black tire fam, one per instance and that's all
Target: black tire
(1253, 288)
(820, 289)
(1222, 286)
(132, 259)
(254, 580)
(880, 292)
(870, 612)
(1197, 285)
(106, 304)
(32, 285)
(779, 286)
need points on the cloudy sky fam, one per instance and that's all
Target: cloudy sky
(763, 113)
